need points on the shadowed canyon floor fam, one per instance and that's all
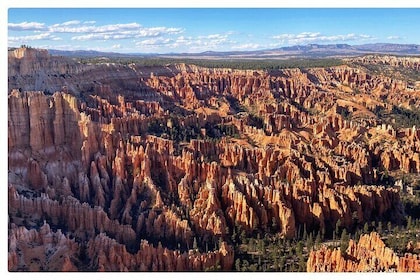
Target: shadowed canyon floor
(176, 168)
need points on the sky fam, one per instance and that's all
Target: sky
(166, 30)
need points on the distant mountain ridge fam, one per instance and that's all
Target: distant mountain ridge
(310, 50)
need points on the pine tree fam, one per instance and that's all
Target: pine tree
(261, 246)
(276, 264)
(357, 235)
(302, 265)
(299, 248)
(373, 225)
(305, 233)
(233, 235)
(242, 236)
(409, 223)
(366, 228)
(389, 227)
(195, 245)
(245, 265)
(310, 242)
(274, 223)
(344, 241)
(281, 263)
(318, 240)
(238, 265)
(379, 228)
(337, 228)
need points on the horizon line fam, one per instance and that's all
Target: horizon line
(214, 51)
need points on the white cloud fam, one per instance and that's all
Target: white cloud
(214, 36)
(67, 23)
(68, 28)
(92, 37)
(37, 37)
(116, 27)
(71, 29)
(87, 30)
(183, 40)
(154, 42)
(167, 30)
(394, 37)
(205, 42)
(156, 31)
(312, 37)
(247, 46)
(188, 43)
(26, 26)
(65, 47)
(116, 46)
(117, 31)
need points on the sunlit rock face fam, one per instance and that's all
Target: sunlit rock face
(129, 168)
(369, 254)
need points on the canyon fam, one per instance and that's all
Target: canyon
(124, 167)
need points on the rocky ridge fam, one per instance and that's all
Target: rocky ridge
(369, 254)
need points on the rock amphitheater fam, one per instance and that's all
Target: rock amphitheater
(92, 185)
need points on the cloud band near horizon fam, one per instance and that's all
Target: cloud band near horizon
(183, 36)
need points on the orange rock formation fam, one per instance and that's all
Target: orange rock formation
(368, 255)
(85, 158)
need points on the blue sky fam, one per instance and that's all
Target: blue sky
(195, 30)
